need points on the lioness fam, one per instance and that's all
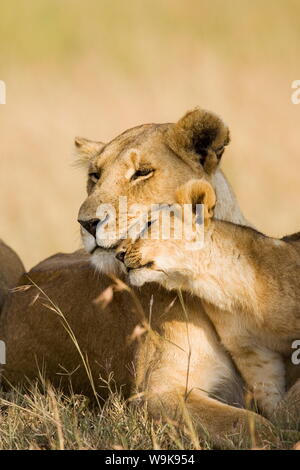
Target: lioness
(146, 164)
(249, 284)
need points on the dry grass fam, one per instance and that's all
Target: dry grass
(48, 420)
(43, 418)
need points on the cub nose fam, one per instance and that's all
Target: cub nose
(121, 255)
(90, 225)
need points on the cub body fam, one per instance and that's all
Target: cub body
(249, 285)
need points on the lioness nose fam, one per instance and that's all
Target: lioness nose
(90, 225)
(120, 256)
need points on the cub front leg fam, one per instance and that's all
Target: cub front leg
(219, 423)
(264, 372)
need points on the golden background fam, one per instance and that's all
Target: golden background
(95, 68)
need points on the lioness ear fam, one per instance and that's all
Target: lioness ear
(201, 136)
(198, 192)
(87, 149)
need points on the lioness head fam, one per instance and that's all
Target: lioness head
(146, 165)
(153, 257)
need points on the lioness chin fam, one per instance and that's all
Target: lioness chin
(249, 284)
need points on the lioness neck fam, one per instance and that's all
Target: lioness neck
(227, 207)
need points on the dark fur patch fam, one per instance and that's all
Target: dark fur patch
(294, 237)
(199, 137)
(204, 140)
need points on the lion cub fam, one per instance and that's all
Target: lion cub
(249, 284)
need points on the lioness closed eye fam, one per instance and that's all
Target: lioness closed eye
(249, 284)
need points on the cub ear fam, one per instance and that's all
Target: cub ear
(87, 149)
(200, 136)
(198, 192)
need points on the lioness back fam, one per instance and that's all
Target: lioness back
(11, 268)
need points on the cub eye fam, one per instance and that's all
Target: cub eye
(142, 172)
(94, 176)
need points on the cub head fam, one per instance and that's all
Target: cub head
(143, 166)
(153, 257)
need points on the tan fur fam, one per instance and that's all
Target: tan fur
(11, 269)
(249, 284)
(160, 368)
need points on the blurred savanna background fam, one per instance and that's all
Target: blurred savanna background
(97, 67)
